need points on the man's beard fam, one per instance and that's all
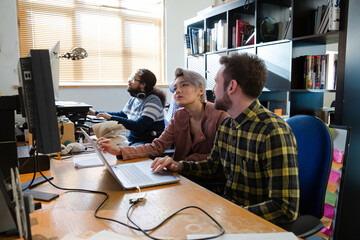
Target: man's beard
(134, 91)
(223, 104)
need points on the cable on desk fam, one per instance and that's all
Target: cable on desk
(168, 218)
(137, 228)
(32, 151)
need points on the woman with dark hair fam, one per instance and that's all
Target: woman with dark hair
(143, 114)
(192, 129)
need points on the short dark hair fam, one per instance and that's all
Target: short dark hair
(248, 70)
(148, 77)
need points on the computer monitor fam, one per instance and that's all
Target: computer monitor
(37, 94)
(54, 52)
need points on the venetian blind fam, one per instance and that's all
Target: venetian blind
(120, 36)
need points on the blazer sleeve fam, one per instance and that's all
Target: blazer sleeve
(158, 145)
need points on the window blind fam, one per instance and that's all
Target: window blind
(120, 36)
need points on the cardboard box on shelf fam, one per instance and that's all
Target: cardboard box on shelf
(67, 134)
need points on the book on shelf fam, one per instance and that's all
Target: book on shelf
(331, 60)
(216, 33)
(287, 26)
(213, 40)
(240, 24)
(233, 37)
(323, 72)
(220, 35)
(334, 15)
(225, 36)
(280, 27)
(324, 21)
(201, 41)
(318, 72)
(286, 29)
(187, 43)
(208, 39)
(319, 15)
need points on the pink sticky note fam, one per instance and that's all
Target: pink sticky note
(338, 156)
(329, 211)
(334, 176)
(326, 231)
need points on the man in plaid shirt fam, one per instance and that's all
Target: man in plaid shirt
(254, 148)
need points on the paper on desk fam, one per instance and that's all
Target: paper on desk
(249, 236)
(104, 235)
(92, 160)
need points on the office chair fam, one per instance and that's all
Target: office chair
(172, 107)
(314, 160)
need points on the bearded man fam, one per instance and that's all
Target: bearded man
(255, 149)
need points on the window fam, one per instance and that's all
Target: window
(120, 36)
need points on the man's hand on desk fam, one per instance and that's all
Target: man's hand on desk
(104, 115)
(165, 162)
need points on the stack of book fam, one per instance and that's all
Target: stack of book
(320, 71)
(195, 41)
(198, 41)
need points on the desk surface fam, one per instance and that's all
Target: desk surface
(73, 212)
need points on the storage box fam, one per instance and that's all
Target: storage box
(67, 134)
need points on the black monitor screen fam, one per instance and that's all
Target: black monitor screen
(38, 100)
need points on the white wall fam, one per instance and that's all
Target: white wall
(111, 99)
(176, 12)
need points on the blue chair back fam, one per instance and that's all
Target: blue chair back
(314, 160)
(172, 107)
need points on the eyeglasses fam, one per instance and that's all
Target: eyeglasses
(133, 79)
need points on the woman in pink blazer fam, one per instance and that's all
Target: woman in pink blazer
(192, 129)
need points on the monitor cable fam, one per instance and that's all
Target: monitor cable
(133, 203)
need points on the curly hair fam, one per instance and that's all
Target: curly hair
(149, 78)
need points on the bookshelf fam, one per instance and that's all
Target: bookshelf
(284, 34)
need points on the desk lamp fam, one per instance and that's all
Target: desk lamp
(77, 53)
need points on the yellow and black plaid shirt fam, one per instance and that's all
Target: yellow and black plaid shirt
(257, 152)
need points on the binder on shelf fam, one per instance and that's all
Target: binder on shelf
(330, 69)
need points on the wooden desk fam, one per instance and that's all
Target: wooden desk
(73, 212)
